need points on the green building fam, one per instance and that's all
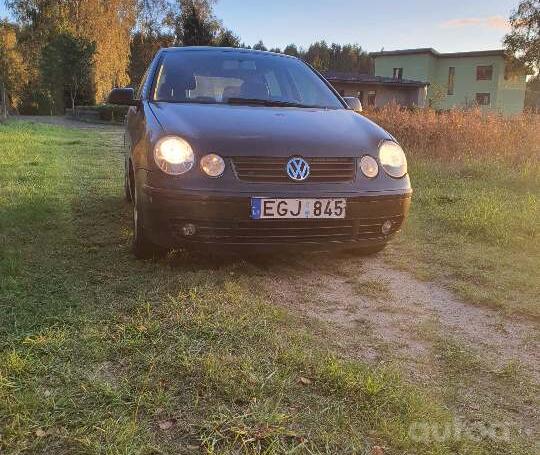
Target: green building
(462, 79)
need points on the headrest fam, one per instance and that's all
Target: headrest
(181, 81)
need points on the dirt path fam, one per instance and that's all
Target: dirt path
(405, 312)
(484, 364)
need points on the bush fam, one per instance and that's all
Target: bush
(463, 135)
(104, 112)
(111, 112)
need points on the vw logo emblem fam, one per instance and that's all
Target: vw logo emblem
(298, 169)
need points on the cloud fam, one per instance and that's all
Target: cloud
(493, 22)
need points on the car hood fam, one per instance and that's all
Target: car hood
(269, 131)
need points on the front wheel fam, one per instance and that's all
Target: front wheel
(142, 247)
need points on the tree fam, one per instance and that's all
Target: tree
(195, 24)
(227, 38)
(523, 42)
(532, 95)
(66, 64)
(142, 51)
(260, 46)
(345, 58)
(152, 18)
(291, 49)
(153, 31)
(107, 23)
(318, 55)
(13, 71)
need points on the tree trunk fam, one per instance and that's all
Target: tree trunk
(3, 102)
(72, 96)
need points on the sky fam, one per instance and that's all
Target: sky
(448, 26)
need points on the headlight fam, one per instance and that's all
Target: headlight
(369, 166)
(393, 159)
(212, 165)
(174, 155)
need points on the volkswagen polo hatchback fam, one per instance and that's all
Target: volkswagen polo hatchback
(247, 149)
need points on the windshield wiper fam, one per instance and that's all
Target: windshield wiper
(270, 103)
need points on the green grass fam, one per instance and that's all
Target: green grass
(102, 354)
(476, 228)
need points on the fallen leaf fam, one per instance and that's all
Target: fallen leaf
(377, 450)
(166, 424)
(41, 433)
(304, 381)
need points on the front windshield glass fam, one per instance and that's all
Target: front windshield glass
(235, 77)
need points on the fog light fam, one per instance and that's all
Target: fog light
(189, 230)
(387, 227)
(369, 166)
(213, 165)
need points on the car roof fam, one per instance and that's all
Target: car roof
(240, 50)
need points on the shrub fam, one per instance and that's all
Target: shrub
(104, 112)
(463, 135)
(111, 113)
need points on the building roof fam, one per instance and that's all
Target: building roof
(358, 78)
(430, 50)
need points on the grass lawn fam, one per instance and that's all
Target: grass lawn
(475, 227)
(102, 354)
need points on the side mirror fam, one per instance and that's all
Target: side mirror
(123, 97)
(353, 103)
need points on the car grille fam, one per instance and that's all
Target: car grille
(273, 170)
(287, 231)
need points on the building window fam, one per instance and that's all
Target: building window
(483, 99)
(398, 73)
(371, 98)
(451, 78)
(484, 73)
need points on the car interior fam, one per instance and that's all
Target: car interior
(178, 87)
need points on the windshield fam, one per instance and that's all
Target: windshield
(235, 77)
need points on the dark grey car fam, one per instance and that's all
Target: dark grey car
(232, 148)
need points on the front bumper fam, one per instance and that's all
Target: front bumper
(223, 220)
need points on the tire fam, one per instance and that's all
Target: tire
(141, 246)
(369, 250)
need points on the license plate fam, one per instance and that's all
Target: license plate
(263, 208)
